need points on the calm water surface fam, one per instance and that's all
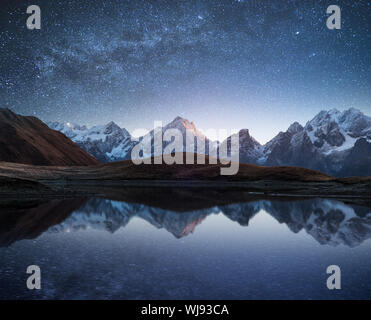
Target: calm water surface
(105, 249)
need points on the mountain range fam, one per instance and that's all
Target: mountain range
(337, 143)
(329, 222)
(109, 142)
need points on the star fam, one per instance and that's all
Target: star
(215, 62)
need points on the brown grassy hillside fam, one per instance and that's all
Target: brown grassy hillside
(126, 170)
(28, 140)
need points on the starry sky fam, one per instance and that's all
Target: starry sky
(231, 64)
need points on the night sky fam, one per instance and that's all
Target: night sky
(254, 64)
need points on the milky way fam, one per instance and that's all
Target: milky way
(224, 64)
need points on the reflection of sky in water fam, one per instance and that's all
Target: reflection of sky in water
(220, 260)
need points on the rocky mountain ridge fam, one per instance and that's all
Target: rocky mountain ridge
(335, 142)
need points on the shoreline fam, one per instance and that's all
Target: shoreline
(271, 188)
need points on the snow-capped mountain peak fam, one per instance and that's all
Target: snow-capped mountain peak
(187, 129)
(351, 121)
(250, 150)
(295, 128)
(325, 143)
(335, 142)
(334, 130)
(183, 125)
(99, 140)
(111, 127)
(67, 128)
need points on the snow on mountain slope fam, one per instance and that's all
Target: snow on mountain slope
(334, 130)
(323, 144)
(106, 142)
(112, 143)
(329, 142)
(250, 150)
(186, 128)
(329, 222)
(112, 215)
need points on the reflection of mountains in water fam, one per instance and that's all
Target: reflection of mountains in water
(328, 221)
(111, 215)
(331, 222)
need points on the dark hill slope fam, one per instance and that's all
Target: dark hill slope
(28, 140)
